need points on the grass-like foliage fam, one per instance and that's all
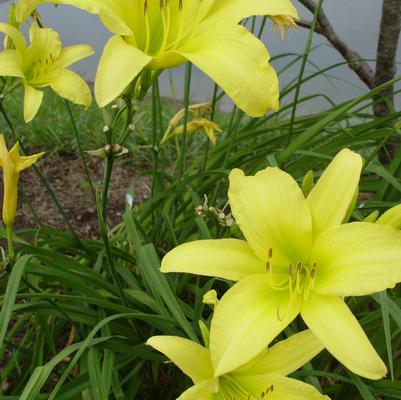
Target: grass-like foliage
(76, 312)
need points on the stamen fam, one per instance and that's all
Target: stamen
(298, 278)
(290, 280)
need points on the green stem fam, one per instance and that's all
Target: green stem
(108, 170)
(80, 150)
(302, 70)
(103, 206)
(212, 115)
(10, 242)
(187, 88)
(41, 177)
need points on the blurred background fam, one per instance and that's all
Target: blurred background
(356, 22)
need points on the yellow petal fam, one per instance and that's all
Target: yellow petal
(119, 65)
(284, 357)
(22, 162)
(391, 217)
(72, 87)
(110, 11)
(225, 258)
(10, 184)
(199, 392)
(16, 36)
(9, 64)
(5, 159)
(272, 213)
(332, 195)
(357, 259)
(247, 318)
(32, 101)
(192, 358)
(283, 388)
(336, 327)
(238, 62)
(26, 162)
(71, 54)
(44, 41)
(236, 10)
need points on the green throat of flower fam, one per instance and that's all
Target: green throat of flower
(299, 279)
(231, 389)
(165, 25)
(43, 70)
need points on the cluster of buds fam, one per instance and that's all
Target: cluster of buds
(198, 123)
(222, 216)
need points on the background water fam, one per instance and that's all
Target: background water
(356, 21)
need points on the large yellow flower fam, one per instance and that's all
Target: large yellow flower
(43, 64)
(12, 164)
(264, 376)
(161, 34)
(299, 257)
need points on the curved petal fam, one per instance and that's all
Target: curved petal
(72, 87)
(285, 357)
(26, 162)
(272, 213)
(9, 65)
(357, 259)
(277, 387)
(336, 327)
(391, 217)
(119, 65)
(44, 41)
(248, 317)
(15, 35)
(106, 8)
(198, 392)
(225, 258)
(238, 62)
(32, 101)
(192, 358)
(233, 11)
(332, 195)
(71, 54)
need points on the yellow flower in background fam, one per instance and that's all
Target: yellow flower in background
(43, 64)
(159, 34)
(197, 123)
(263, 377)
(299, 257)
(12, 164)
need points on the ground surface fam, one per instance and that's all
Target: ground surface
(67, 178)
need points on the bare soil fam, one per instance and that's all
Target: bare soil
(67, 178)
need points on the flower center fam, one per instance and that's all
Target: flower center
(299, 278)
(43, 70)
(166, 24)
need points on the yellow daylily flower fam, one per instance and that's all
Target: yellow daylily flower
(43, 64)
(299, 257)
(196, 124)
(263, 377)
(159, 34)
(12, 164)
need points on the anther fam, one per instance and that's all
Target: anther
(270, 253)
